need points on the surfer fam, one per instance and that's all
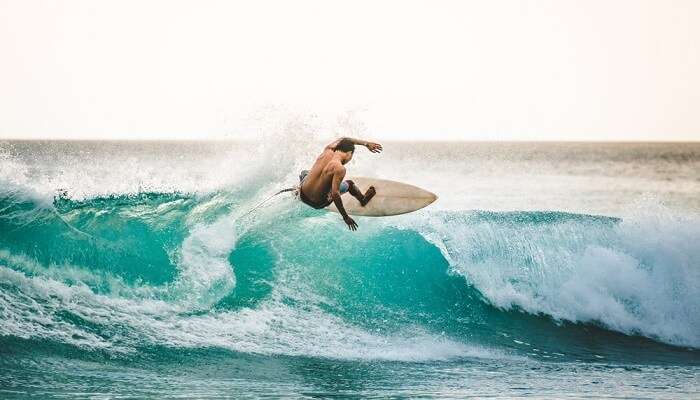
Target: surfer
(324, 183)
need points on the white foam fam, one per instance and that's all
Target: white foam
(272, 327)
(640, 276)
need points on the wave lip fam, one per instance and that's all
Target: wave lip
(639, 275)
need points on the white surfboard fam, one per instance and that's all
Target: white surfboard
(392, 198)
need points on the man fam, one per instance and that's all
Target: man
(324, 184)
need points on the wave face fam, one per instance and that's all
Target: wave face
(101, 267)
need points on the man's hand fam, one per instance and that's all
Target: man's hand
(374, 147)
(352, 225)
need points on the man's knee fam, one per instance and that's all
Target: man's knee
(352, 188)
(345, 186)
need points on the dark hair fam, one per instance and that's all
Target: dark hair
(345, 145)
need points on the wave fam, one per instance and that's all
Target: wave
(121, 273)
(637, 275)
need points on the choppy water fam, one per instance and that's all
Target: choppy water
(544, 270)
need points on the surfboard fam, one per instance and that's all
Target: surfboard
(392, 198)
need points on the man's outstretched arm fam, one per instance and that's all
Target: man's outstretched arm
(371, 146)
(338, 175)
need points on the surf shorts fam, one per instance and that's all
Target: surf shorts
(344, 185)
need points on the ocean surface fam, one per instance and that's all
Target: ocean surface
(544, 270)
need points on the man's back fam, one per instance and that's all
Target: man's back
(317, 184)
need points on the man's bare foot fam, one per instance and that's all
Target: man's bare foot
(368, 196)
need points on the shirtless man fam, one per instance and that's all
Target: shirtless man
(324, 184)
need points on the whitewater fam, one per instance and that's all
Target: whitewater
(133, 269)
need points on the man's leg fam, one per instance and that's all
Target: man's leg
(356, 193)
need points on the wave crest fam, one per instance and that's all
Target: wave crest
(638, 275)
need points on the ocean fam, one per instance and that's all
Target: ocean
(544, 270)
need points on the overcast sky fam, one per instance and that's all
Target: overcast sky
(472, 70)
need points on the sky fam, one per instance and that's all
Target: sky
(400, 70)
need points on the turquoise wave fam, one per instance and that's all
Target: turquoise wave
(124, 275)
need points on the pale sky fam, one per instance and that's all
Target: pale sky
(470, 70)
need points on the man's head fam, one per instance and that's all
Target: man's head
(347, 147)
